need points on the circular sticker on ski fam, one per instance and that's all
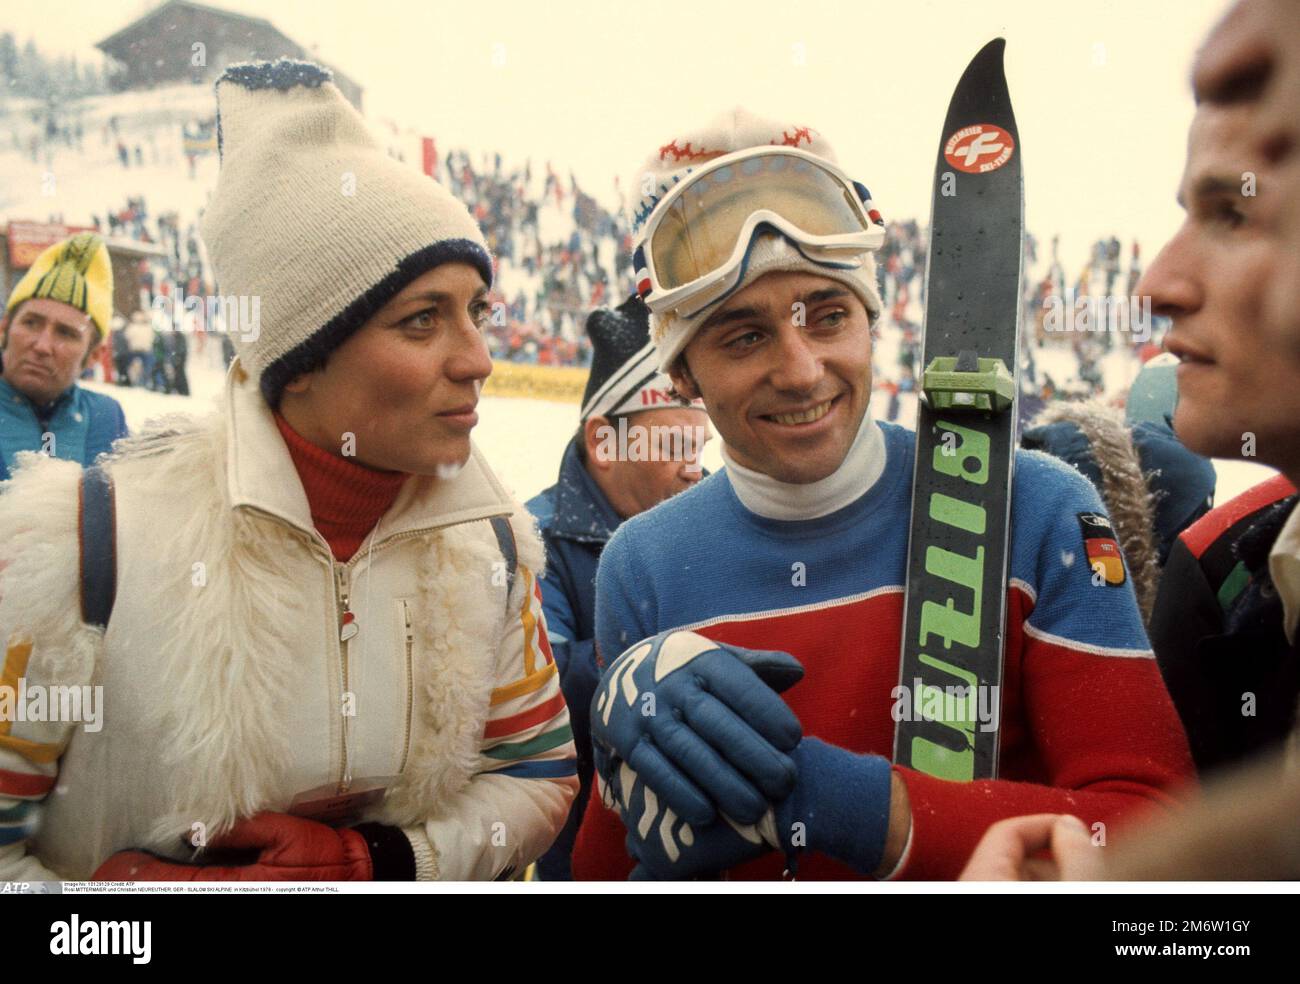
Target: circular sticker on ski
(979, 149)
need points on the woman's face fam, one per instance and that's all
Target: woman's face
(400, 393)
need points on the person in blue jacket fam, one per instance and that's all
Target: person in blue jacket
(637, 444)
(54, 323)
(1153, 486)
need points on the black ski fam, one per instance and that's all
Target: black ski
(954, 616)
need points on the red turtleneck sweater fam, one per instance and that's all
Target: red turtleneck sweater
(346, 498)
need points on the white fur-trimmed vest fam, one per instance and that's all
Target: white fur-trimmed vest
(224, 675)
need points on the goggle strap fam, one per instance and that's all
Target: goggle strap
(641, 272)
(864, 196)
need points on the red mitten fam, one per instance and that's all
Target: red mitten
(288, 849)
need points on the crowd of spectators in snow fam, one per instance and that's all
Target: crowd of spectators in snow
(561, 252)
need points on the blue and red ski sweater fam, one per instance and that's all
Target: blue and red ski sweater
(1087, 725)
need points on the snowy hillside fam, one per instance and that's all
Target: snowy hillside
(90, 180)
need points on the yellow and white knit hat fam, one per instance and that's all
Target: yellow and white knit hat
(315, 220)
(76, 271)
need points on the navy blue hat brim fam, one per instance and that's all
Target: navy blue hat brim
(311, 354)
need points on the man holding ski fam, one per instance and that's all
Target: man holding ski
(788, 570)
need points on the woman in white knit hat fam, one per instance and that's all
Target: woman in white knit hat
(336, 667)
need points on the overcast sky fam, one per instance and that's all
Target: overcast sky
(1100, 88)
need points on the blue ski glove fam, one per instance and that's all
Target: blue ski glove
(701, 724)
(666, 848)
(839, 807)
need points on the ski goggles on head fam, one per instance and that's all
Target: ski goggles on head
(694, 248)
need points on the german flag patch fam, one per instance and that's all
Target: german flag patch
(1101, 548)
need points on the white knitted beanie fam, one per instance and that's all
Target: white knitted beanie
(735, 130)
(313, 218)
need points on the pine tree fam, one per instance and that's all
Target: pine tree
(33, 72)
(8, 62)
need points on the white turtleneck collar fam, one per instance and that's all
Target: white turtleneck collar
(772, 499)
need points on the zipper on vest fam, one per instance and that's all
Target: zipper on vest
(410, 684)
(347, 629)
(347, 618)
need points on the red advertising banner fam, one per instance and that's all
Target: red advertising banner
(27, 240)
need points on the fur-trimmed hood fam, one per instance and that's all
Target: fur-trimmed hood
(1104, 452)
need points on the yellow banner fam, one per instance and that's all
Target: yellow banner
(560, 384)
